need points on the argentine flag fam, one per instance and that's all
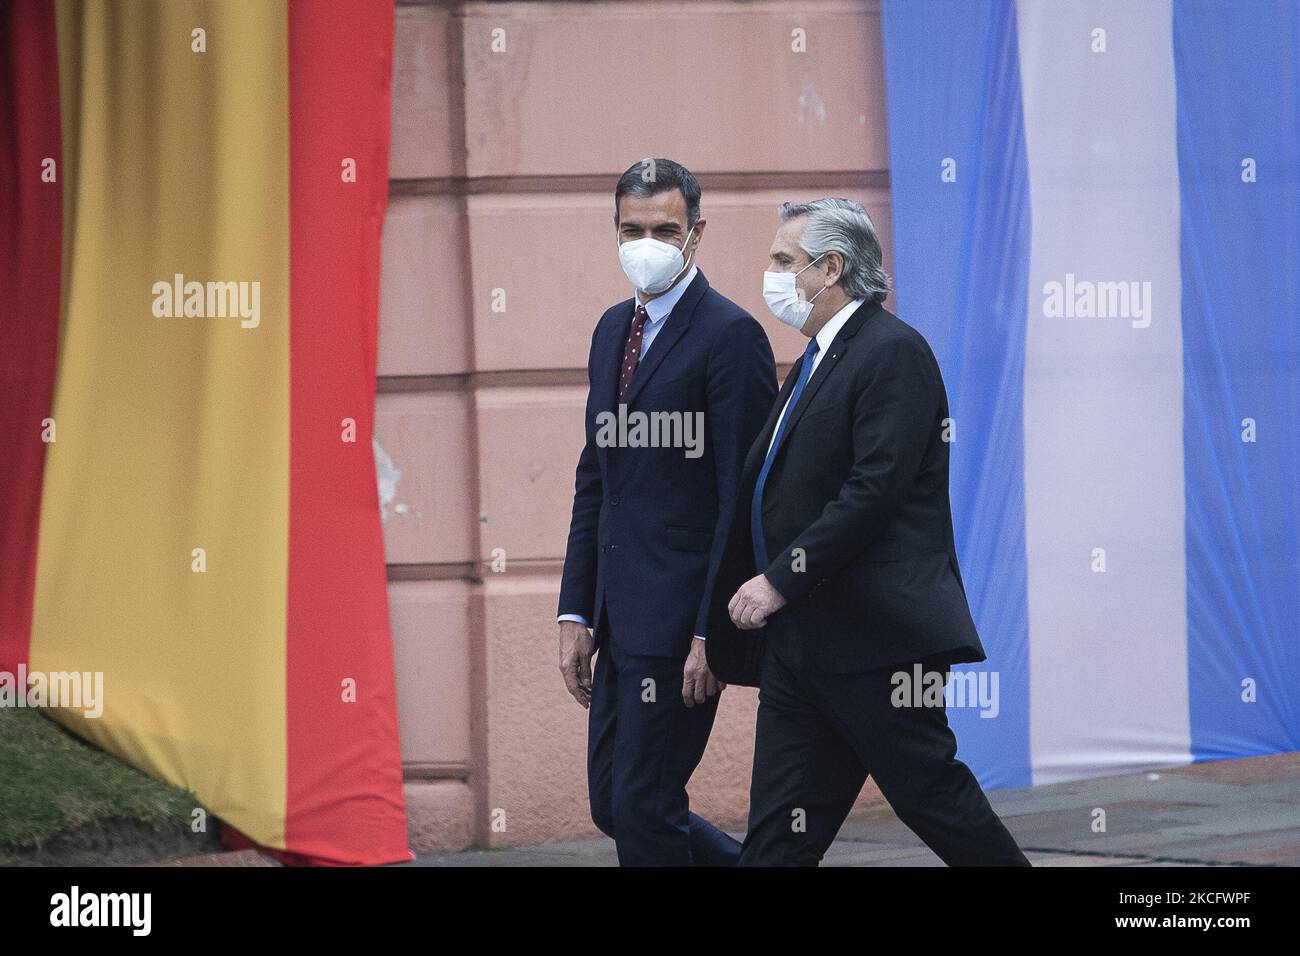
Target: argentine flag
(1096, 212)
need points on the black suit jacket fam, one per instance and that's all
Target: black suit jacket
(856, 517)
(646, 533)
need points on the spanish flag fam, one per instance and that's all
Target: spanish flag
(192, 195)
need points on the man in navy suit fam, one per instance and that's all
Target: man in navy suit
(681, 380)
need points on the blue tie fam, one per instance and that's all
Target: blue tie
(756, 506)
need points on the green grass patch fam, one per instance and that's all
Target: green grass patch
(63, 800)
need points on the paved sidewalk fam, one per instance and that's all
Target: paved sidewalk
(1242, 812)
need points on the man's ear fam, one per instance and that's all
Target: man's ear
(834, 267)
(699, 231)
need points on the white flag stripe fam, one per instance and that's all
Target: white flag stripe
(1103, 391)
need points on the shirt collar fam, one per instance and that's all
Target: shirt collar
(659, 307)
(826, 335)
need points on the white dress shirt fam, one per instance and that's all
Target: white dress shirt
(657, 310)
(825, 336)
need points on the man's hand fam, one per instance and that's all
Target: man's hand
(575, 660)
(756, 600)
(698, 682)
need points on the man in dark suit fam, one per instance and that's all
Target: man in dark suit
(681, 379)
(842, 571)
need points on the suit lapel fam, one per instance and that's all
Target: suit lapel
(826, 368)
(607, 356)
(758, 450)
(675, 326)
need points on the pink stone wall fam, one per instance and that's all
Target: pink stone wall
(499, 256)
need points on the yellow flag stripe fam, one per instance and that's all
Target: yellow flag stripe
(172, 427)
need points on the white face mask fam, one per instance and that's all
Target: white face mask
(783, 298)
(651, 265)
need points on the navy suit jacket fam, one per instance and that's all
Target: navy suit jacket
(649, 524)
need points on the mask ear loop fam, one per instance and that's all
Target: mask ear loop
(808, 266)
(686, 259)
(801, 271)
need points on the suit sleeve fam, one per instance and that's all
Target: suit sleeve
(578, 582)
(894, 420)
(740, 391)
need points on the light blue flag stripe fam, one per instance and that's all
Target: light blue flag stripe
(1238, 87)
(961, 263)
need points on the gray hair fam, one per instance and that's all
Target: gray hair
(843, 226)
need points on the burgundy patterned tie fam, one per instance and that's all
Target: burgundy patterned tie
(632, 350)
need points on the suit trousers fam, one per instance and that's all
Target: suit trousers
(643, 744)
(820, 735)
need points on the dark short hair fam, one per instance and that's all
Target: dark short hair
(649, 177)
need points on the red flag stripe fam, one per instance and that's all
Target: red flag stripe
(30, 270)
(345, 799)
